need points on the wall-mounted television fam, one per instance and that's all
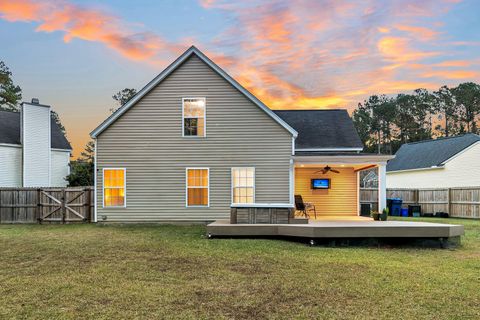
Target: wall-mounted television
(320, 183)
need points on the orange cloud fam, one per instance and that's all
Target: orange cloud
(274, 28)
(453, 63)
(383, 30)
(451, 74)
(19, 10)
(398, 49)
(421, 33)
(85, 24)
(280, 94)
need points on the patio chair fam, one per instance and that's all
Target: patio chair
(304, 207)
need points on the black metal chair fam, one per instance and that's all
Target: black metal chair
(304, 207)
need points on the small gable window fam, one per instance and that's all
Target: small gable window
(194, 117)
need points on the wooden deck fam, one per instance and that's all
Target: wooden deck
(331, 229)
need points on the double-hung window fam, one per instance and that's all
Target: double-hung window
(194, 117)
(243, 185)
(197, 187)
(114, 184)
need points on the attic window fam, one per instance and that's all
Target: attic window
(194, 117)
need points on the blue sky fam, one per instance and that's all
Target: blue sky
(74, 55)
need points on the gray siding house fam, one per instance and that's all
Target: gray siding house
(193, 142)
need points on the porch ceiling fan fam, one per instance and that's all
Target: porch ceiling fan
(327, 169)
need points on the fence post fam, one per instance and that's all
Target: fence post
(39, 205)
(64, 201)
(88, 211)
(449, 199)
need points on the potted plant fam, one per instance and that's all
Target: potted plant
(384, 214)
(375, 215)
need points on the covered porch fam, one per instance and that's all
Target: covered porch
(331, 183)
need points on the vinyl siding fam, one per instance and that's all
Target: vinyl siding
(36, 145)
(461, 171)
(340, 199)
(10, 166)
(147, 141)
(59, 168)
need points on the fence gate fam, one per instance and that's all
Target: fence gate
(64, 205)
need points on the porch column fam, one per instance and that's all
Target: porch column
(291, 182)
(382, 187)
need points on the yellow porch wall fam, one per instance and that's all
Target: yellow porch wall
(340, 199)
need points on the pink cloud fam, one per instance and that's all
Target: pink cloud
(77, 22)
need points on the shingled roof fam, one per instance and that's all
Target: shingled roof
(430, 153)
(10, 131)
(322, 129)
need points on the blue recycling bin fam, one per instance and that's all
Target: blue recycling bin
(395, 206)
(404, 212)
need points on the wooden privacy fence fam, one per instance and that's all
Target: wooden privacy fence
(458, 202)
(31, 205)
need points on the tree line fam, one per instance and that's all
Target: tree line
(11, 94)
(385, 123)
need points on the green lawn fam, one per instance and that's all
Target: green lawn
(89, 271)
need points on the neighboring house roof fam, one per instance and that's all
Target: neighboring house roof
(172, 67)
(322, 130)
(10, 131)
(430, 153)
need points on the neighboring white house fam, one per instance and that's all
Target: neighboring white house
(441, 163)
(33, 149)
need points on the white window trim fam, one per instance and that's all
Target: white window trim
(204, 118)
(186, 187)
(231, 184)
(124, 187)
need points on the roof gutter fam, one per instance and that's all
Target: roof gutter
(329, 149)
(344, 159)
(417, 169)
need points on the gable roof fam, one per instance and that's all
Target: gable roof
(10, 131)
(322, 130)
(430, 153)
(172, 67)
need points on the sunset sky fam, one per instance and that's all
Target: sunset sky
(74, 55)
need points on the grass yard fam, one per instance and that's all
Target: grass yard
(90, 271)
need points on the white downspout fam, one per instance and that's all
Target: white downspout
(95, 181)
(292, 175)
(358, 194)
